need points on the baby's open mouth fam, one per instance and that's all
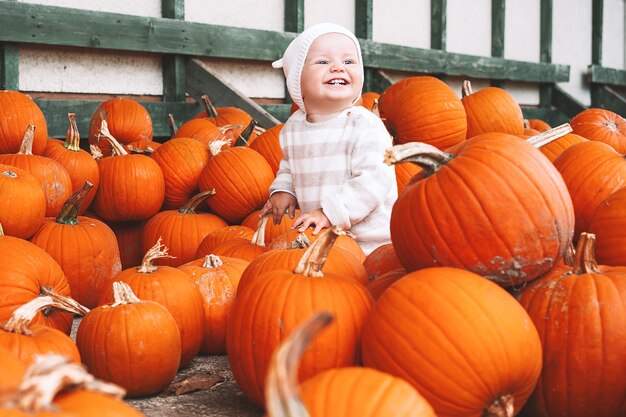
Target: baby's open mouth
(337, 81)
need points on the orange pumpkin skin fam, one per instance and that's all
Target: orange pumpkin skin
(241, 178)
(592, 171)
(377, 286)
(608, 223)
(215, 238)
(24, 270)
(381, 260)
(128, 236)
(23, 203)
(538, 125)
(91, 404)
(258, 323)
(12, 371)
(136, 346)
(425, 109)
(42, 340)
(128, 121)
(87, 253)
(181, 160)
(369, 100)
(555, 148)
(272, 231)
(473, 328)
(492, 109)
(17, 111)
(580, 320)
(601, 125)
(283, 241)
(371, 393)
(182, 233)
(218, 286)
(202, 130)
(132, 188)
(509, 247)
(171, 288)
(405, 172)
(240, 248)
(268, 146)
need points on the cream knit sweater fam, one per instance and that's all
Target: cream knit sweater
(338, 165)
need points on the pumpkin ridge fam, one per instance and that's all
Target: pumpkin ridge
(581, 179)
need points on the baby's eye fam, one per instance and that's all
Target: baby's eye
(348, 61)
(322, 61)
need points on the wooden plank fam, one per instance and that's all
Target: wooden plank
(294, 16)
(597, 22)
(438, 28)
(379, 81)
(9, 67)
(31, 23)
(565, 103)
(55, 112)
(173, 65)
(545, 49)
(201, 80)
(363, 16)
(611, 76)
(497, 33)
(280, 111)
(606, 98)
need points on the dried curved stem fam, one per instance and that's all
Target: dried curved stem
(191, 205)
(585, 259)
(156, 252)
(550, 135)
(212, 261)
(118, 149)
(69, 211)
(428, 157)
(300, 242)
(314, 257)
(215, 146)
(26, 147)
(259, 235)
(502, 407)
(211, 111)
(123, 294)
(72, 137)
(466, 90)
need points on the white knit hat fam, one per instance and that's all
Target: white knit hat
(293, 59)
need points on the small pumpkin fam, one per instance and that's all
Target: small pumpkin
(17, 112)
(23, 203)
(601, 125)
(223, 234)
(268, 145)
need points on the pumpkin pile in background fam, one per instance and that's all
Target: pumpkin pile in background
(503, 291)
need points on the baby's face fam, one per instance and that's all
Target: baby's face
(332, 76)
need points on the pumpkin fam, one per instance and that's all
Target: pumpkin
(258, 323)
(555, 148)
(241, 178)
(85, 248)
(181, 160)
(592, 171)
(132, 187)
(217, 279)
(12, 371)
(26, 339)
(538, 125)
(128, 236)
(377, 286)
(23, 203)
(380, 260)
(485, 227)
(80, 165)
(491, 109)
(53, 177)
(127, 120)
(133, 343)
(204, 131)
(425, 109)
(171, 288)
(579, 312)
(608, 225)
(54, 386)
(246, 249)
(222, 116)
(405, 173)
(272, 230)
(461, 340)
(17, 112)
(369, 100)
(268, 145)
(350, 391)
(26, 271)
(601, 125)
(221, 235)
(181, 230)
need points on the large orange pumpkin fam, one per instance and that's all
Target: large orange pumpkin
(23, 203)
(12, 371)
(223, 234)
(268, 146)
(468, 211)
(555, 148)
(601, 125)
(461, 340)
(608, 224)
(17, 111)
(580, 312)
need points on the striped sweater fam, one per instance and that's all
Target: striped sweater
(337, 165)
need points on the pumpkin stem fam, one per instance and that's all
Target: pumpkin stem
(550, 135)
(300, 242)
(215, 146)
(191, 205)
(20, 320)
(172, 124)
(117, 148)
(282, 395)
(26, 147)
(155, 252)
(502, 407)
(428, 157)
(72, 137)
(569, 255)
(1, 230)
(212, 261)
(314, 257)
(244, 137)
(49, 375)
(96, 153)
(526, 124)
(585, 259)
(123, 294)
(259, 235)
(466, 90)
(375, 108)
(211, 111)
(69, 211)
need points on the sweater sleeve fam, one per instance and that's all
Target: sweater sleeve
(371, 179)
(283, 181)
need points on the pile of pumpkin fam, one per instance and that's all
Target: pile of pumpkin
(480, 306)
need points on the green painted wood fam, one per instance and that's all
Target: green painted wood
(611, 76)
(438, 24)
(201, 80)
(363, 16)
(55, 112)
(280, 111)
(597, 22)
(49, 25)
(497, 33)
(565, 103)
(545, 49)
(379, 81)
(173, 65)
(9, 67)
(606, 98)
(294, 16)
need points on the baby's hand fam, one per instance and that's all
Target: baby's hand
(280, 203)
(315, 217)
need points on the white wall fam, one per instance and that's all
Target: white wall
(404, 22)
